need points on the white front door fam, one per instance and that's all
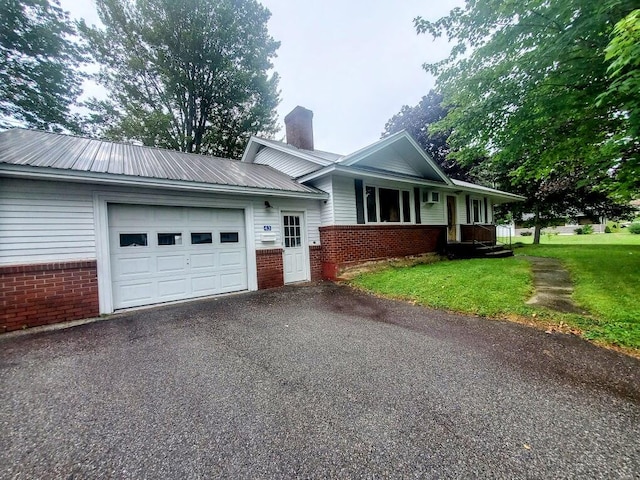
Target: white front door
(295, 255)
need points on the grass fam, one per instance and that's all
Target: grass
(605, 270)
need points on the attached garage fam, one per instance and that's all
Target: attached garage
(160, 254)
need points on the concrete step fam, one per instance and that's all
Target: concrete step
(499, 254)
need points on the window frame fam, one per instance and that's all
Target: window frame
(481, 216)
(401, 215)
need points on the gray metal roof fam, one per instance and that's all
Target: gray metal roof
(330, 156)
(65, 152)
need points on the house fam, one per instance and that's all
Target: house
(88, 227)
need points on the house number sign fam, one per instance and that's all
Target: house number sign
(267, 228)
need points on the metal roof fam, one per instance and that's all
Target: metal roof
(35, 148)
(320, 154)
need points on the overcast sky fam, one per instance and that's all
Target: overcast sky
(353, 62)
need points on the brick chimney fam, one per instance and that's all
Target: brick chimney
(299, 126)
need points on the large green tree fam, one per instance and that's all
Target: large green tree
(39, 56)
(416, 120)
(189, 75)
(522, 85)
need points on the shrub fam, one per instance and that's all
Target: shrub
(587, 229)
(607, 229)
(526, 234)
(579, 231)
(635, 228)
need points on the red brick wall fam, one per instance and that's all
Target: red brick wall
(315, 259)
(342, 244)
(33, 295)
(270, 270)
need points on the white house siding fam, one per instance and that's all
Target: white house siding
(434, 213)
(391, 164)
(272, 218)
(45, 221)
(326, 208)
(289, 164)
(344, 201)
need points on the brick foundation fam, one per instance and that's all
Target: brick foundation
(34, 295)
(348, 244)
(270, 269)
(315, 260)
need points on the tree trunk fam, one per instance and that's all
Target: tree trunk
(536, 227)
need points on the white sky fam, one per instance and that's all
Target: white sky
(353, 62)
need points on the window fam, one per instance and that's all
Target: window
(228, 237)
(169, 239)
(133, 239)
(388, 205)
(476, 209)
(292, 231)
(201, 238)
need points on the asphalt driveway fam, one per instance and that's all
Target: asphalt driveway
(314, 381)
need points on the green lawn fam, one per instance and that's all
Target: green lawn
(605, 272)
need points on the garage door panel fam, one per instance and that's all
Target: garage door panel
(186, 254)
(205, 285)
(231, 281)
(171, 263)
(130, 293)
(202, 261)
(232, 259)
(129, 266)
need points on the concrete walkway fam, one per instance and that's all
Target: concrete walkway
(553, 285)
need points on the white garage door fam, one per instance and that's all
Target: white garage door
(161, 254)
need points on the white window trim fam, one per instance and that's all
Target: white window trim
(412, 213)
(480, 210)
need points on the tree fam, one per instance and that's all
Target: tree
(623, 52)
(39, 56)
(522, 83)
(189, 75)
(416, 120)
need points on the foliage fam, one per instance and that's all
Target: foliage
(607, 229)
(634, 228)
(190, 75)
(39, 54)
(584, 230)
(521, 84)
(526, 233)
(624, 70)
(416, 120)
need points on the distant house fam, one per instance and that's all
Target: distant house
(89, 227)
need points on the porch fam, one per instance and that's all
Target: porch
(477, 240)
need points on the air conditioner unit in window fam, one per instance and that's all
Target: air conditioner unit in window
(430, 197)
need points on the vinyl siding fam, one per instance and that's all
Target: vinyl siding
(289, 164)
(434, 213)
(43, 222)
(344, 201)
(326, 209)
(391, 164)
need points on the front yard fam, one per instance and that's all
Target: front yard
(605, 270)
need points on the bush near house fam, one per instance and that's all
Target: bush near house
(634, 228)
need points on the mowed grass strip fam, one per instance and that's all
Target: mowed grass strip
(479, 286)
(606, 279)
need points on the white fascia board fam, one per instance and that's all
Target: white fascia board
(250, 151)
(21, 171)
(352, 172)
(282, 148)
(361, 154)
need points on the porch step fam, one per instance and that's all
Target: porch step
(470, 250)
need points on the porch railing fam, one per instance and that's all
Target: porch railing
(484, 235)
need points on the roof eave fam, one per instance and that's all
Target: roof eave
(43, 173)
(291, 151)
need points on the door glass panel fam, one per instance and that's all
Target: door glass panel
(169, 239)
(292, 232)
(133, 239)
